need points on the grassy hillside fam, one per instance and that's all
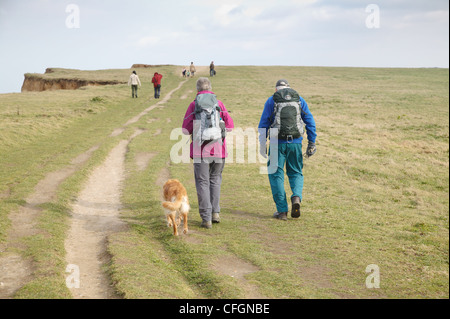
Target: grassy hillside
(376, 192)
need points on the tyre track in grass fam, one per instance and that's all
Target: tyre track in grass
(16, 270)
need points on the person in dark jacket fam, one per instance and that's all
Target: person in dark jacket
(212, 72)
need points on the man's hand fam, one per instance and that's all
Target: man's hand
(311, 150)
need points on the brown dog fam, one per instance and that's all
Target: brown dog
(176, 205)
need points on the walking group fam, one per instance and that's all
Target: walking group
(135, 82)
(284, 118)
(282, 124)
(187, 73)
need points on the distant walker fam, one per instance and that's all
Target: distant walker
(134, 82)
(157, 84)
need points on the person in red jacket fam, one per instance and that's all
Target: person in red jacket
(157, 84)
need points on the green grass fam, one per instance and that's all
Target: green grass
(34, 143)
(376, 192)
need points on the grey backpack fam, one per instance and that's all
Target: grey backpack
(207, 115)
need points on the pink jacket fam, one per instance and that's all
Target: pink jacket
(217, 149)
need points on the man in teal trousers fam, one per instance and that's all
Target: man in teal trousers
(284, 118)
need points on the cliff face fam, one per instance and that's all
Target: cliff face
(134, 66)
(35, 83)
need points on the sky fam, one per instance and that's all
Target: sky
(113, 34)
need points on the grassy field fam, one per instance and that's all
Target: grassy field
(376, 192)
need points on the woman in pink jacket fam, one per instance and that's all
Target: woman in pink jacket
(209, 160)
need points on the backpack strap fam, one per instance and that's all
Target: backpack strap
(275, 110)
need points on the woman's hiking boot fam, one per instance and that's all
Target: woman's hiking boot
(215, 218)
(206, 224)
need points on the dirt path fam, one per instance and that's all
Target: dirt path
(159, 104)
(95, 215)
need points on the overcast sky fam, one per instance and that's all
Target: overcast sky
(108, 34)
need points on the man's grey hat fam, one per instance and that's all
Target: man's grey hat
(282, 84)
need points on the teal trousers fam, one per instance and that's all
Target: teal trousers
(289, 155)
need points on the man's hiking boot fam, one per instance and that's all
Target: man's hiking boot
(215, 218)
(281, 216)
(206, 224)
(295, 212)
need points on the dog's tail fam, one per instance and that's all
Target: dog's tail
(173, 206)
